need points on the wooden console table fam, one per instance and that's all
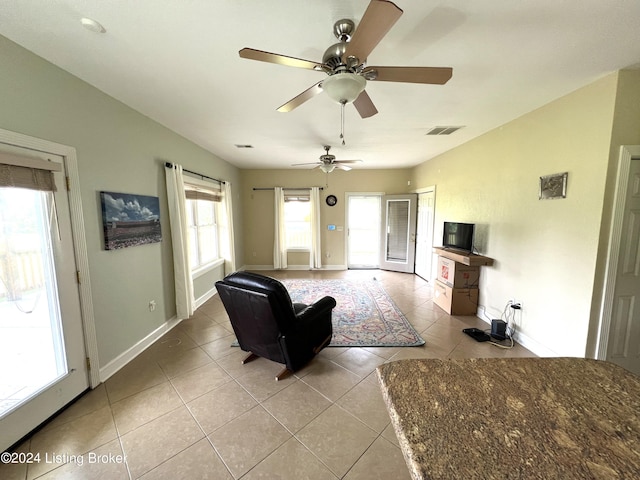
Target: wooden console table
(470, 259)
(500, 418)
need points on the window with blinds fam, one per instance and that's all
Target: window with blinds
(25, 172)
(397, 230)
(202, 204)
(297, 219)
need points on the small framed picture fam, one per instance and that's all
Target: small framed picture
(553, 186)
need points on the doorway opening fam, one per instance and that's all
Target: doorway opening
(363, 230)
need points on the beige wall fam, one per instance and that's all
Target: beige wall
(259, 210)
(545, 250)
(625, 131)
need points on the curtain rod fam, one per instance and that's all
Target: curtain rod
(288, 188)
(171, 165)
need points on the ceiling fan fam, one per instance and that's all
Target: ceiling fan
(345, 62)
(328, 162)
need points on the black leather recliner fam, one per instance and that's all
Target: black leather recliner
(267, 324)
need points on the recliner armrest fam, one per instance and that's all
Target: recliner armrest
(321, 306)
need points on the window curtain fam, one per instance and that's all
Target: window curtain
(226, 236)
(185, 301)
(315, 254)
(279, 244)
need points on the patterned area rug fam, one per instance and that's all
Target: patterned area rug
(365, 315)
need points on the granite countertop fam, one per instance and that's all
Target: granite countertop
(524, 418)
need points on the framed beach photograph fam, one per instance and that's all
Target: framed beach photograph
(130, 220)
(553, 186)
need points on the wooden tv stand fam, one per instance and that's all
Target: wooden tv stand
(465, 258)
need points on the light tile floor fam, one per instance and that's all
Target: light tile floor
(187, 409)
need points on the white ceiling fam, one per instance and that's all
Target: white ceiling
(177, 62)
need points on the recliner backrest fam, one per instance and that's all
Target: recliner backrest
(277, 294)
(260, 310)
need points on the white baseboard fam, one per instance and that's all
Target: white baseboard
(121, 360)
(207, 296)
(294, 267)
(534, 346)
(527, 342)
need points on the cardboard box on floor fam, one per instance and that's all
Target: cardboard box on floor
(455, 301)
(457, 275)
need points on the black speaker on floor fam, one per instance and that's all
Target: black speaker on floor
(498, 329)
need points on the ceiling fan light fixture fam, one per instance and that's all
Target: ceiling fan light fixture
(92, 25)
(344, 87)
(327, 167)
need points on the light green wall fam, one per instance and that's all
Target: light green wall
(259, 208)
(120, 150)
(545, 250)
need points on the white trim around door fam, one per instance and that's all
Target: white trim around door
(627, 154)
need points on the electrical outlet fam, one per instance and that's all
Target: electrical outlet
(514, 304)
(152, 305)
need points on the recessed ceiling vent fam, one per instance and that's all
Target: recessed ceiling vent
(443, 130)
(243, 146)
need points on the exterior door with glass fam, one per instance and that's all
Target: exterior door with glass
(363, 230)
(398, 239)
(42, 351)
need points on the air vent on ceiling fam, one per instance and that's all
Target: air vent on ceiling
(243, 146)
(443, 130)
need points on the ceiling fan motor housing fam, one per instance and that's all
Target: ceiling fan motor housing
(332, 58)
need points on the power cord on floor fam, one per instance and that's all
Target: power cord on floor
(509, 317)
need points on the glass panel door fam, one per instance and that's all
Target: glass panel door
(42, 351)
(363, 231)
(32, 353)
(398, 239)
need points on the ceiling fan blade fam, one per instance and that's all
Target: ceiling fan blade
(433, 75)
(364, 105)
(308, 163)
(261, 56)
(348, 161)
(377, 20)
(295, 102)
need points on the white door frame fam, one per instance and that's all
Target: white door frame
(627, 154)
(79, 240)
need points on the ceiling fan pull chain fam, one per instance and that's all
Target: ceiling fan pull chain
(342, 104)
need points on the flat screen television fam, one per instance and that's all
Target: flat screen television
(458, 235)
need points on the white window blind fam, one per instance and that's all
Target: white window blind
(27, 172)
